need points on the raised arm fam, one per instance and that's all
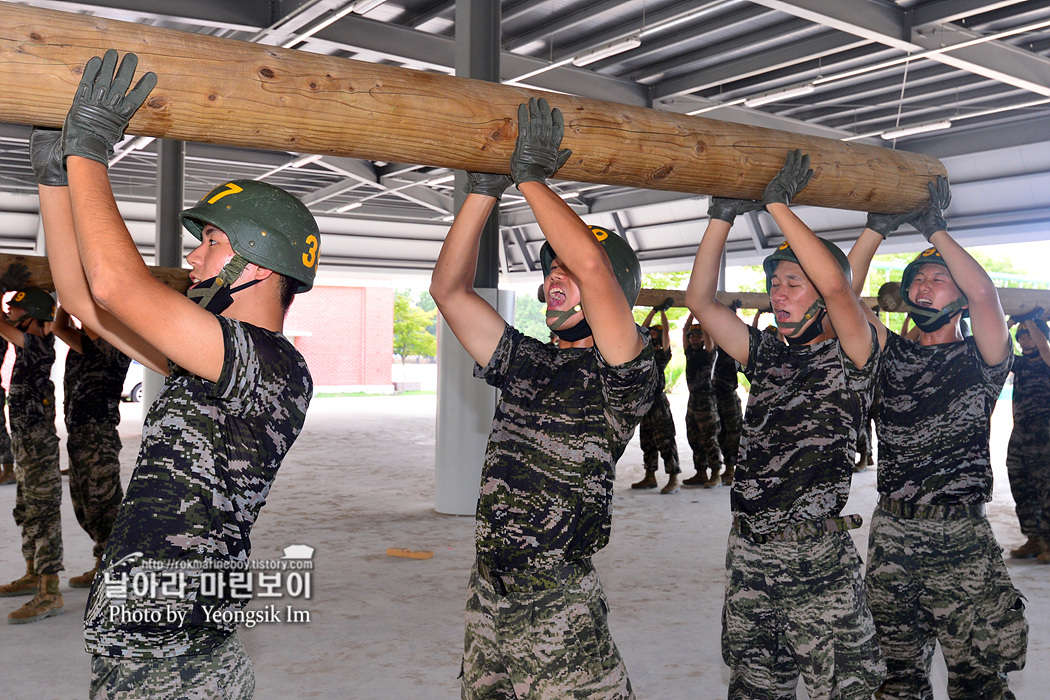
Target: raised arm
(986, 312)
(727, 329)
(823, 270)
(649, 317)
(66, 332)
(477, 325)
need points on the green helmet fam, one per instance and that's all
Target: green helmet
(930, 256)
(35, 302)
(928, 320)
(624, 262)
(266, 226)
(784, 252)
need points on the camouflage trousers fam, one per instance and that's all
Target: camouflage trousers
(701, 429)
(656, 434)
(943, 580)
(94, 479)
(541, 645)
(798, 608)
(226, 673)
(38, 497)
(730, 425)
(1028, 467)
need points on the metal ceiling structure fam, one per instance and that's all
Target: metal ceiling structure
(969, 79)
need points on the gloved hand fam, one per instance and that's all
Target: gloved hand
(14, 277)
(795, 175)
(47, 158)
(885, 224)
(725, 209)
(932, 217)
(736, 304)
(488, 184)
(540, 129)
(101, 110)
(1031, 315)
(668, 303)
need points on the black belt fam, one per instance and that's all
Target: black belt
(950, 511)
(538, 579)
(804, 530)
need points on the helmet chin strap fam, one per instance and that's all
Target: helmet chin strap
(794, 336)
(577, 332)
(930, 320)
(215, 293)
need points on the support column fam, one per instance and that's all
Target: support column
(167, 250)
(465, 405)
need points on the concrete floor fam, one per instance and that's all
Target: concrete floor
(360, 480)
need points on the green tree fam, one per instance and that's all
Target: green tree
(411, 324)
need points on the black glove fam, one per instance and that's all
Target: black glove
(47, 158)
(488, 184)
(101, 110)
(736, 304)
(16, 276)
(1028, 315)
(540, 129)
(932, 218)
(795, 175)
(668, 303)
(885, 224)
(727, 210)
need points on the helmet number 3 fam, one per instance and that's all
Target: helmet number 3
(310, 256)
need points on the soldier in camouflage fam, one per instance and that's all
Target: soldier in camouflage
(234, 399)
(701, 415)
(730, 416)
(794, 599)
(656, 432)
(38, 500)
(935, 573)
(93, 380)
(536, 617)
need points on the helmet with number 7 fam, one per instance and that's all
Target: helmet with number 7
(265, 225)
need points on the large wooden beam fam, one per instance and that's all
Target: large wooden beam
(40, 273)
(236, 93)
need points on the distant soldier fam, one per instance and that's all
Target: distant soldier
(1028, 452)
(701, 415)
(730, 417)
(536, 619)
(93, 380)
(656, 432)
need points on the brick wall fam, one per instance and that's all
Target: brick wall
(348, 334)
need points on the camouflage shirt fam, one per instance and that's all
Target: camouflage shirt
(699, 365)
(93, 381)
(563, 419)
(31, 398)
(1031, 390)
(210, 452)
(663, 358)
(934, 420)
(796, 453)
(724, 381)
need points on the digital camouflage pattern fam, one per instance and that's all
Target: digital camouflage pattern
(1028, 452)
(93, 381)
(94, 479)
(798, 601)
(563, 419)
(943, 580)
(730, 416)
(209, 454)
(800, 430)
(552, 643)
(701, 415)
(38, 497)
(656, 432)
(225, 672)
(934, 419)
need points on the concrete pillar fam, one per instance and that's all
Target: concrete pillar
(465, 404)
(171, 178)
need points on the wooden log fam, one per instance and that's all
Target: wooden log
(223, 91)
(40, 273)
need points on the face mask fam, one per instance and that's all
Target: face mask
(930, 320)
(215, 294)
(578, 332)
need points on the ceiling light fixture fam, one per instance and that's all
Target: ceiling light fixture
(363, 6)
(611, 49)
(306, 160)
(778, 95)
(349, 207)
(917, 129)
